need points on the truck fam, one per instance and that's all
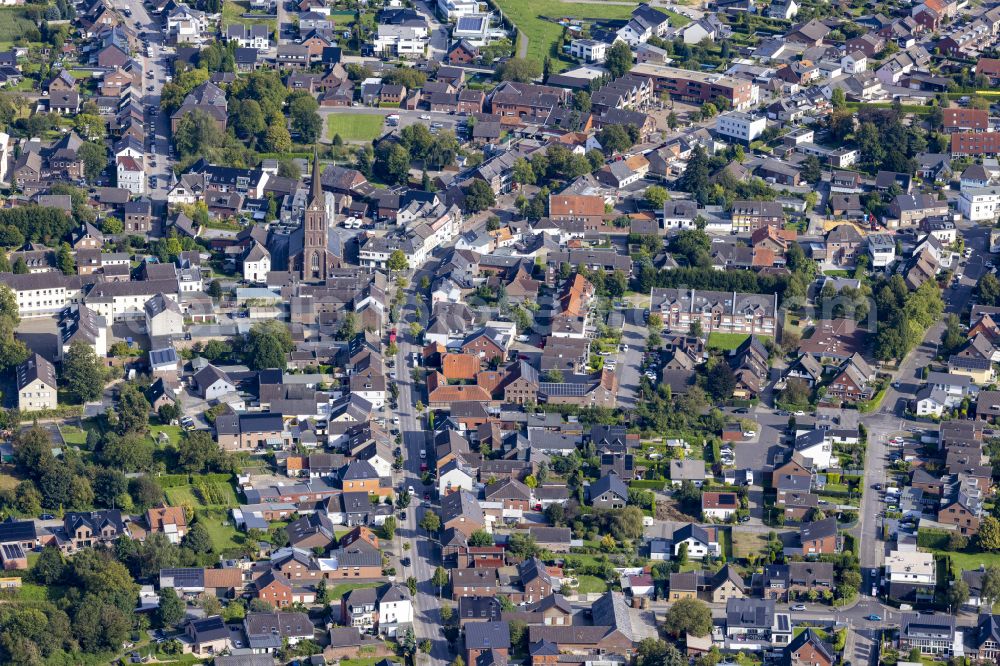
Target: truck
(392, 120)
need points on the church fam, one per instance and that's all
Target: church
(309, 253)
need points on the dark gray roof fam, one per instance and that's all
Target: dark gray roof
(609, 482)
(487, 636)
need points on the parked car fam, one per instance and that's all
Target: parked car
(799, 607)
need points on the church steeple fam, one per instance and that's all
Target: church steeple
(316, 195)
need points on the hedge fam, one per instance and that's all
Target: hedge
(933, 539)
(647, 484)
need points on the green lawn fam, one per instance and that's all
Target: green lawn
(969, 561)
(225, 537)
(745, 543)
(232, 12)
(538, 20)
(73, 435)
(173, 433)
(338, 591)
(355, 126)
(591, 584)
(726, 341)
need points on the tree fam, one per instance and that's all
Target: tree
(430, 522)
(720, 381)
(171, 608)
(811, 169)
(82, 373)
(129, 452)
(50, 566)
(614, 139)
(952, 337)
(520, 70)
(957, 594)
(389, 528)
(277, 139)
(133, 409)
(303, 111)
(480, 538)
(518, 635)
(440, 579)
(618, 59)
(94, 157)
(397, 261)
(479, 196)
(215, 289)
(989, 534)
(656, 196)
(197, 133)
(990, 590)
(198, 539)
(657, 652)
(197, 452)
(689, 616)
(988, 288)
(267, 344)
(411, 585)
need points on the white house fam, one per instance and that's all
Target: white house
(931, 402)
(816, 446)
(395, 609)
(916, 568)
(680, 214)
(452, 10)
(980, 203)
(213, 383)
(740, 126)
(131, 175)
(697, 31)
(882, 248)
(249, 36)
(163, 316)
(185, 25)
(452, 477)
(954, 386)
(699, 544)
(256, 263)
(854, 62)
(588, 50)
(400, 40)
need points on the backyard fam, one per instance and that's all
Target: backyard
(726, 341)
(532, 17)
(232, 12)
(362, 127)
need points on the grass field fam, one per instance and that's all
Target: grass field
(232, 12)
(73, 435)
(338, 591)
(726, 341)
(355, 126)
(745, 543)
(225, 537)
(537, 19)
(591, 584)
(192, 495)
(13, 24)
(172, 432)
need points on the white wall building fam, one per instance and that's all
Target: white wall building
(740, 126)
(588, 50)
(980, 203)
